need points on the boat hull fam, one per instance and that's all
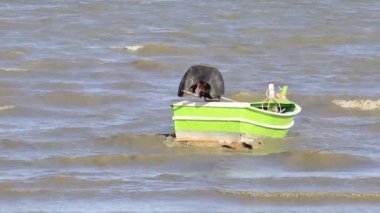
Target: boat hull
(228, 121)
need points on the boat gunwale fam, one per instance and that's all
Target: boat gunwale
(243, 105)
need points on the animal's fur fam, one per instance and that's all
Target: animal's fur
(205, 81)
(202, 89)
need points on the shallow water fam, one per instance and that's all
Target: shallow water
(86, 86)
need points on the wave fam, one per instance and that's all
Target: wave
(146, 64)
(59, 64)
(170, 177)
(101, 160)
(46, 193)
(117, 143)
(105, 160)
(150, 150)
(12, 69)
(146, 143)
(156, 1)
(134, 48)
(158, 49)
(294, 40)
(326, 182)
(129, 85)
(6, 107)
(301, 162)
(9, 191)
(66, 181)
(65, 98)
(365, 105)
(48, 147)
(13, 144)
(304, 195)
(293, 162)
(321, 161)
(8, 89)
(11, 54)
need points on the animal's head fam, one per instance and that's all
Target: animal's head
(204, 86)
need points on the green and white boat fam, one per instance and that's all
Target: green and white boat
(229, 122)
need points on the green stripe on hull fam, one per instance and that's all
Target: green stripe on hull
(248, 114)
(228, 126)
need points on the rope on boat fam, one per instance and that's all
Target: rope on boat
(280, 110)
(271, 97)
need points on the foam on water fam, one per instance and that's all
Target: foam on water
(13, 69)
(159, 49)
(365, 105)
(6, 107)
(305, 195)
(134, 48)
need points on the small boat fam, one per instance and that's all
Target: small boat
(232, 123)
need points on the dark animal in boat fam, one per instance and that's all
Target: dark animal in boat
(205, 81)
(202, 89)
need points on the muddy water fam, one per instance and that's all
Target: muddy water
(85, 86)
